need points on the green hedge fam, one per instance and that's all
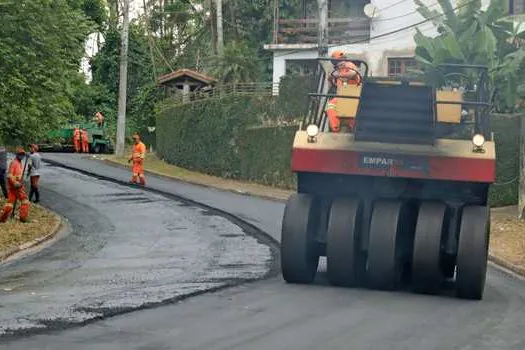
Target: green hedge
(266, 155)
(220, 137)
(506, 132)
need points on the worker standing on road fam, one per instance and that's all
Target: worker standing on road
(16, 190)
(137, 157)
(345, 73)
(35, 162)
(3, 169)
(76, 140)
(85, 141)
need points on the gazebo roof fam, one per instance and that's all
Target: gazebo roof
(181, 73)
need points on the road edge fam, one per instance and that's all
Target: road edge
(250, 229)
(15, 252)
(195, 183)
(506, 265)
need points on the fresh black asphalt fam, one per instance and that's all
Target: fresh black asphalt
(271, 314)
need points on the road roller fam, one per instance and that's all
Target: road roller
(397, 196)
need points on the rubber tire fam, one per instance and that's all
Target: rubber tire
(299, 251)
(473, 252)
(427, 276)
(96, 148)
(344, 265)
(384, 267)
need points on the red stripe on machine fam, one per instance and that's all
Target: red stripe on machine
(421, 167)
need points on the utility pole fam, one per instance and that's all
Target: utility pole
(521, 191)
(220, 37)
(123, 84)
(323, 27)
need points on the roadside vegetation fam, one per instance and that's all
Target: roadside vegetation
(13, 233)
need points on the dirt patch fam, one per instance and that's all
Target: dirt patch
(507, 239)
(14, 233)
(157, 166)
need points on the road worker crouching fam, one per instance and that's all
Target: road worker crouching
(15, 189)
(345, 73)
(137, 157)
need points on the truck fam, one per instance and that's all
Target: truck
(61, 140)
(402, 198)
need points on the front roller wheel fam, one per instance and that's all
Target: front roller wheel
(473, 252)
(426, 270)
(342, 250)
(299, 251)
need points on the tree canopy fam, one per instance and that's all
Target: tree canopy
(41, 44)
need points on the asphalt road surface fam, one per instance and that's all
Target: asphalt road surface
(127, 249)
(271, 314)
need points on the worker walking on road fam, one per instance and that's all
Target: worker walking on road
(137, 157)
(345, 73)
(35, 162)
(85, 141)
(16, 190)
(77, 140)
(3, 170)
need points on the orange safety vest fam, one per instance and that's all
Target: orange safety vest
(14, 174)
(139, 152)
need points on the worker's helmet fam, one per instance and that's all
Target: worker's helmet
(20, 151)
(337, 54)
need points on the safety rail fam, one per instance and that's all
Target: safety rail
(479, 102)
(305, 30)
(224, 91)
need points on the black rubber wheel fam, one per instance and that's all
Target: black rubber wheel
(473, 252)
(426, 269)
(384, 261)
(448, 266)
(96, 149)
(344, 265)
(299, 251)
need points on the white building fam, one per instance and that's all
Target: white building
(364, 37)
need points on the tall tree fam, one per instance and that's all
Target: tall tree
(41, 44)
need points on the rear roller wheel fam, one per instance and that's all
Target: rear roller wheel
(426, 270)
(342, 250)
(473, 252)
(299, 251)
(385, 247)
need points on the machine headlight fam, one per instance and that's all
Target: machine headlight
(312, 130)
(478, 140)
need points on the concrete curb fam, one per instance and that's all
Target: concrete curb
(4, 255)
(520, 271)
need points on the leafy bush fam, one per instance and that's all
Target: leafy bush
(506, 132)
(221, 137)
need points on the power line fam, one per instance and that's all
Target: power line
(388, 33)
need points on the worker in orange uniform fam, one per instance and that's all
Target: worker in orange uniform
(15, 189)
(99, 118)
(345, 73)
(85, 141)
(77, 140)
(137, 157)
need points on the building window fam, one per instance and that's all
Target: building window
(400, 66)
(516, 7)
